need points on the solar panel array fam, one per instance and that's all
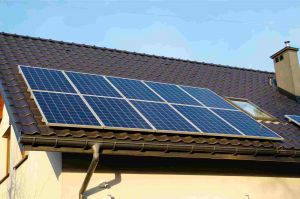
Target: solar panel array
(95, 101)
(294, 118)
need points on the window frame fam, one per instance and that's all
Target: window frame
(271, 117)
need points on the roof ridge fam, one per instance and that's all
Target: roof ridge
(135, 53)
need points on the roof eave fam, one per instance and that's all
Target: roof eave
(115, 147)
(283, 50)
(9, 111)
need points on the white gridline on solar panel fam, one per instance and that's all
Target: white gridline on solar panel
(178, 112)
(161, 103)
(65, 112)
(260, 124)
(171, 93)
(154, 82)
(34, 82)
(138, 111)
(290, 118)
(140, 81)
(232, 125)
(149, 130)
(214, 97)
(217, 115)
(55, 103)
(160, 117)
(91, 82)
(131, 79)
(167, 131)
(114, 111)
(130, 85)
(207, 122)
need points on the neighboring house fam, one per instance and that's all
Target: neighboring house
(43, 162)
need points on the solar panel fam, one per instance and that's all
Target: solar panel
(50, 80)
(294, 118)
(134, 89)
(246, 124)
(64, 109)
(163, 117)
(172, 93)
(116, 113)
(92, 84)
(94, 101)
(205, 120)
(207, 97)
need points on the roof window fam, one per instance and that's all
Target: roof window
(251, 109)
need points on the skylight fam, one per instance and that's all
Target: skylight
(251, 109)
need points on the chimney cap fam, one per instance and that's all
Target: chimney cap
(287, 43)
(287, 47)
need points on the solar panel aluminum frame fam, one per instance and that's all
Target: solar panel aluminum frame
(44, 118)
(135, 129)
(182, 88)
(211, 109)
(291, 119)
(262, 137)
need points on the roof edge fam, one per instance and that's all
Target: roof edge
(186, 150)
(135, 53)
(9, 111)
(283, 50)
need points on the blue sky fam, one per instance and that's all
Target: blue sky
(236, 33)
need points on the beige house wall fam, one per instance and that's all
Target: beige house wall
(36, 178)
(4, 125)
(41, 177)
(162, 186)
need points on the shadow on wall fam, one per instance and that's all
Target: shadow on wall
(54, 159)
(105, 185)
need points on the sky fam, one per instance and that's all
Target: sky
(236, 33)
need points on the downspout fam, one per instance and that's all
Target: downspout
(96, 155)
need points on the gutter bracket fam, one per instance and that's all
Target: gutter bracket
(96, 155)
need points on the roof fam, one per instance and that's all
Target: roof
(225, 80)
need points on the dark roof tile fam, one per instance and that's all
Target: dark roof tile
(225, 80)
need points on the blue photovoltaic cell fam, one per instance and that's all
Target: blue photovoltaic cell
(92, 84)
(163, 117)
(65, 109)
(172, 93)
(48, 80)
(207, 97)
(294, 118)
(116, 113)
(134, 89)
(245, 124)
(206, 120)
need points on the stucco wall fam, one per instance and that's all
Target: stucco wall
(4, 125)
(3, 190)
(36, 178)
(161, 186)
(41, 177)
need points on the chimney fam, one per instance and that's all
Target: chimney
(287, 71)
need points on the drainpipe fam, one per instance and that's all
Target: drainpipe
(96, 154)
